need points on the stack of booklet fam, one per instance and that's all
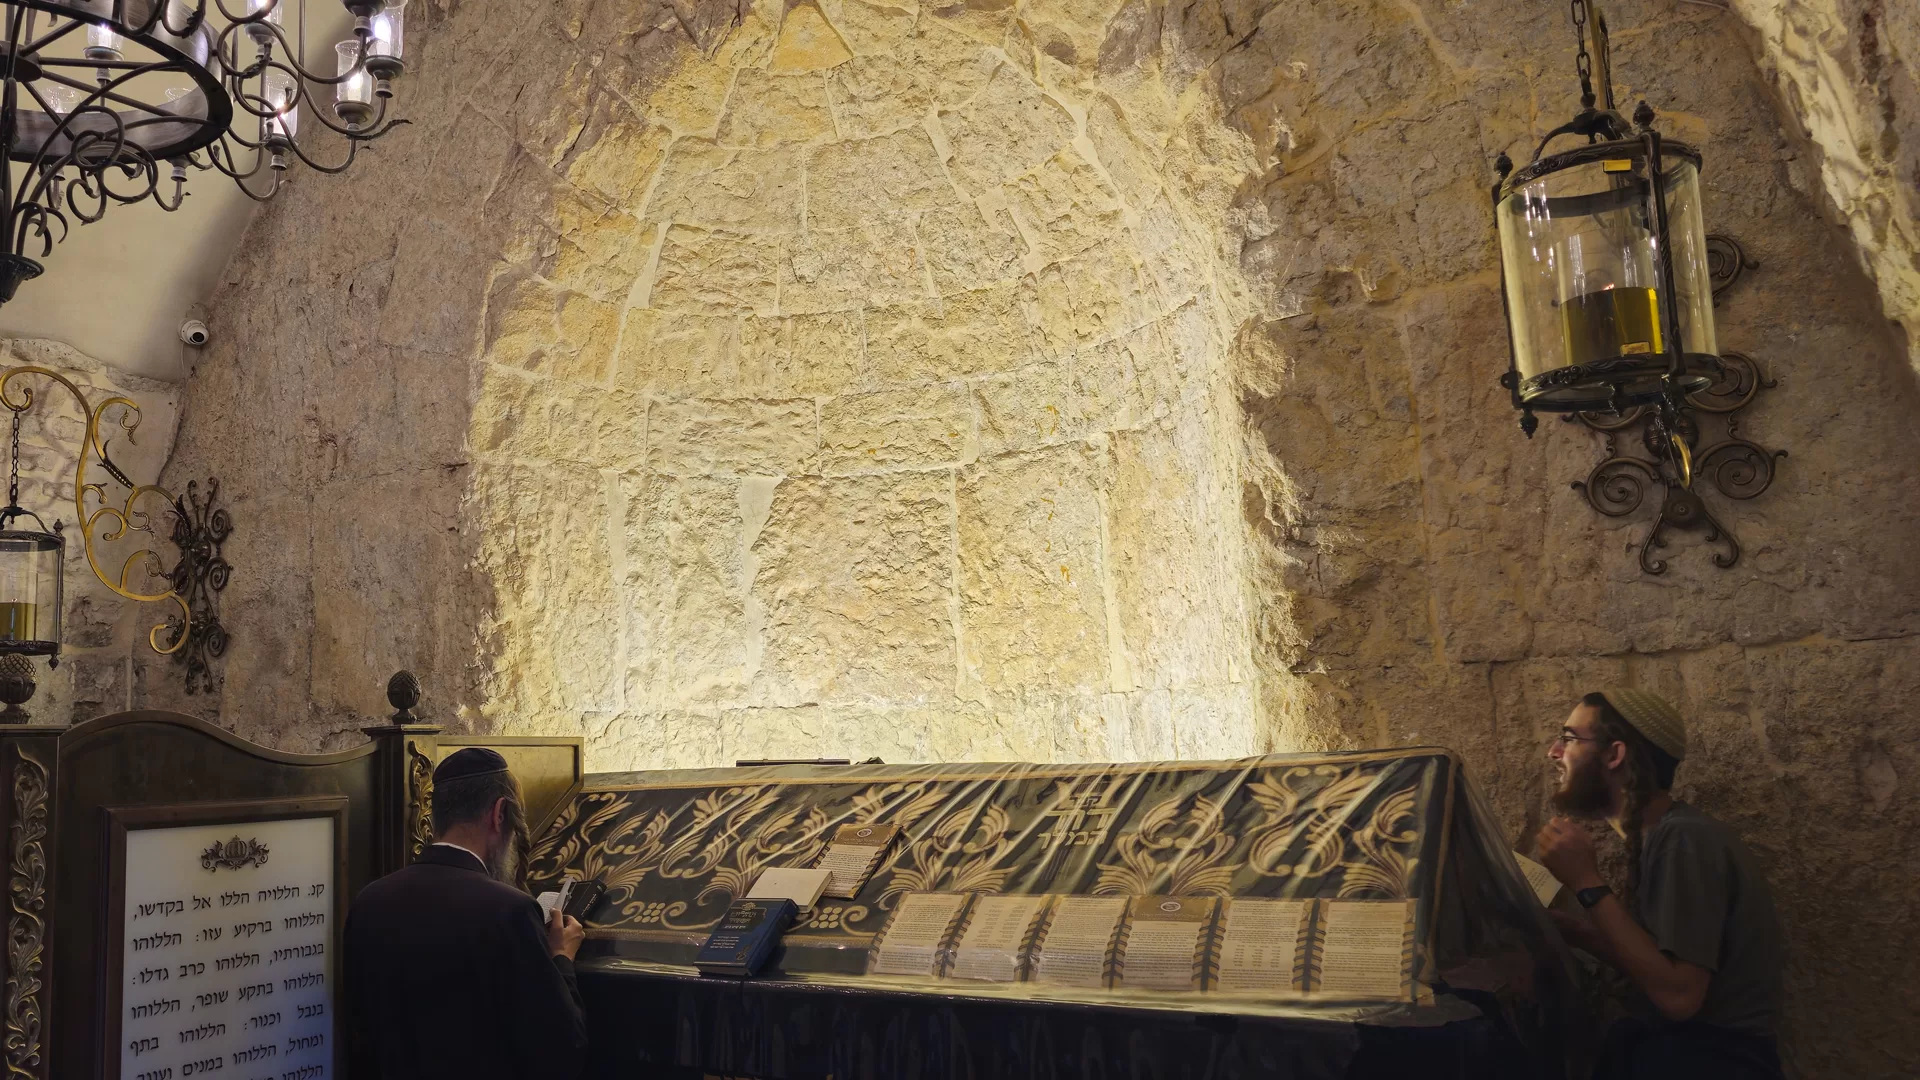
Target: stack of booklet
(744, 941)
(1350, 949)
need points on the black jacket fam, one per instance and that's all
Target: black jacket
(448, 976)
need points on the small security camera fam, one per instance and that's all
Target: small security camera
(193, 332)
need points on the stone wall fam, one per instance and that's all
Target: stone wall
(1427, 574)
(105, 655)
(1055, 380)
(1846, 69)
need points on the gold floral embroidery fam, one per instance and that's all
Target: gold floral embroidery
(1178, 850)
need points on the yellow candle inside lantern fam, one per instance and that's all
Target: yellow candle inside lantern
(1611, 322)
(18, 620)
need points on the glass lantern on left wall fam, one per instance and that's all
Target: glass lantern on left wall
(31, 562)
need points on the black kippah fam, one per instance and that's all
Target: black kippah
(469, 762)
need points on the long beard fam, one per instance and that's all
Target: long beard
(1585, 793)
(508, 865)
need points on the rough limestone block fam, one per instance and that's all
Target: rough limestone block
(555, 606)
(1032, 609)
(808, 42)
(877, 28)
(855, 577)
(853, 731)
(675, 352)
(1034, 406)
(1093, 297)
(964, 334)
(914, 428)
(766, 109)
(667, 739)
(707, 436)
(1009, 127)
(687, 632)
(877, 95)
(712, 186)
(871, 265)
(967, 248)
(533, 323)
(1068, 205)
(877, 179)
(617, 152)
(709, 272)
(1180, 614)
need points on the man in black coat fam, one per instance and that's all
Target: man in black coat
(450, 973)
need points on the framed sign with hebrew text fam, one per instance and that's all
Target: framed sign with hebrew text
(222, 939)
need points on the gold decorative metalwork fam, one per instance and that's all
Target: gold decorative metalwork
(26, 926)
(111, 522)
(419, 802)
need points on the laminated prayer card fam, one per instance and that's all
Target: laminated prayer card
(1263, 945)
(1544, 884)
(913, 939)
(1078, 941)
(1165, 935)
(1365, 949)
(999, 931)
(853, 855)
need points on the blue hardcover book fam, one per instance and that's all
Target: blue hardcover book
(744, 940)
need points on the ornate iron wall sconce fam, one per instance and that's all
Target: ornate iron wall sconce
(199, 528)
(192, 632)
(1735, 467)
(1608, 283)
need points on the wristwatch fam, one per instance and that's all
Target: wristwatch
(1592, 896)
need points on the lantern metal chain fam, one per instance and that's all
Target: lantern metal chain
(13, 474)
(1582, 62)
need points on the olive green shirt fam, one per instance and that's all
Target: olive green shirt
(1705, 900)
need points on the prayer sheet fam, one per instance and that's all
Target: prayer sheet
(853, 854)
(990, 948)
(1366, 949)
(1260, 945)
(1079, 936)
(1545, 885)
(911, 944)
(1163, 942)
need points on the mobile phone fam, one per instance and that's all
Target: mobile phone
(583, 898)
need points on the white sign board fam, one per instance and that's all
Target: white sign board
(227, 946)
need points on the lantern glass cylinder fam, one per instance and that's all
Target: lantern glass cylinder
(30, 567)
(1586, 302)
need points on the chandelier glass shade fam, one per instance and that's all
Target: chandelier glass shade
(115, 101)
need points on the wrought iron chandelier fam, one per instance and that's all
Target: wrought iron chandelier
(102, 96)
(1609, 281)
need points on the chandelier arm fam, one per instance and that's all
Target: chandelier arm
(353, 148)
(97, 92)
(52, 36)
(372, 131)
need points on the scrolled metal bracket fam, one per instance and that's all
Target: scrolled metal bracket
(1734, 467)
(199, 528)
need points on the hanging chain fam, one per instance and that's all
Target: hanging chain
(13, 477)
(1582, 63)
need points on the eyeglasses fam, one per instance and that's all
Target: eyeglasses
(1561, 740)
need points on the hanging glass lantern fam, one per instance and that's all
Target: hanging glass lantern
(1604, 267)
(31, 562)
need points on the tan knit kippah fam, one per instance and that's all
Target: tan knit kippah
(1652, 716)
